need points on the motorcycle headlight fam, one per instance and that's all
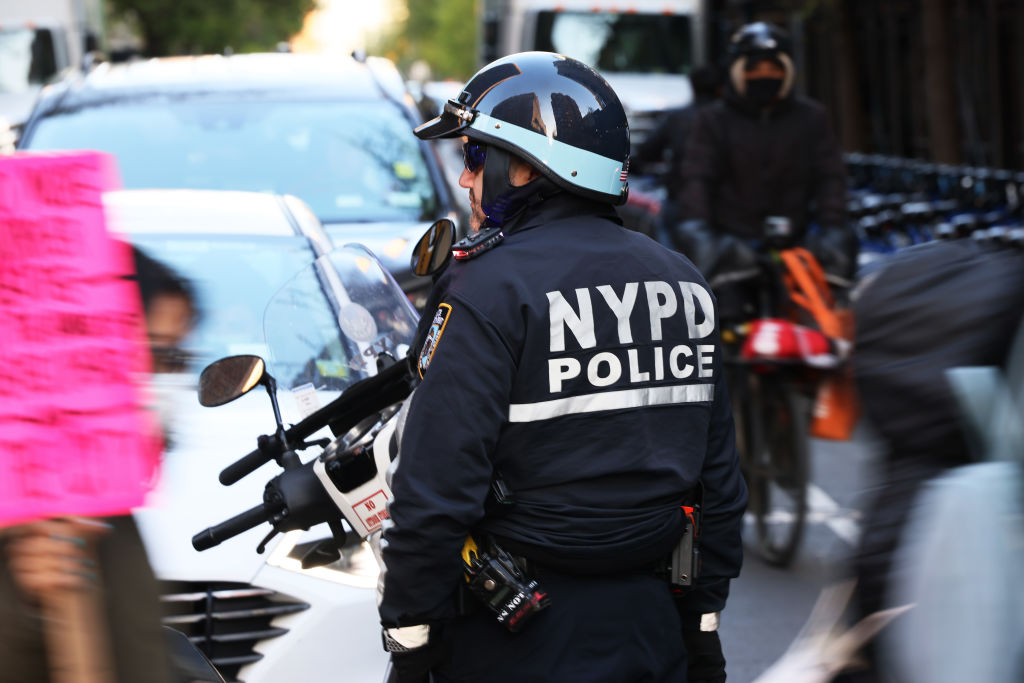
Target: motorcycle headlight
(356, 567)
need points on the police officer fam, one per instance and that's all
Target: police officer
(574, 367)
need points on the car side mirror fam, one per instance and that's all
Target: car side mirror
(432, 252)
(226, 379)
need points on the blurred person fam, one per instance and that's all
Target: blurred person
(667, 141)
(104, 555)
(763, 151)
(591, 467)
(171, 312)
(929, 308)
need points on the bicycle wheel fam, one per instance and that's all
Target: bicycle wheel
(775, 456)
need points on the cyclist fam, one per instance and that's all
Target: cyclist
(932, 307)
(763, 151)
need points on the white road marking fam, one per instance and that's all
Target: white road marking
(822, 509)
(840, 521)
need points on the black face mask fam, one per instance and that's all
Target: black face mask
(502, 201)
(762, 92)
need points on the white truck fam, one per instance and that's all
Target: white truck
(41, 40)
(644, 48)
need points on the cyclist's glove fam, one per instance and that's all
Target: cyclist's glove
(836, 248)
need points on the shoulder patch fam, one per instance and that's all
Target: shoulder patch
(433, 337)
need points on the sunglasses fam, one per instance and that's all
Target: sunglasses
(474, 154)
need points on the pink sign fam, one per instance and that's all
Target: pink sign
(74, 436)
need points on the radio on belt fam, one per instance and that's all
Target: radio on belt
(473, 245)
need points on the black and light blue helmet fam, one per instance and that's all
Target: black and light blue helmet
(553, 111)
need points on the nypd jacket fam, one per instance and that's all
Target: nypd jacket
(579, 361)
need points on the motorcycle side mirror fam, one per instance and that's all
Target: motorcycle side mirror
(226, 379)
(432, 252)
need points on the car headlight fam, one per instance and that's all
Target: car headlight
(356, 567)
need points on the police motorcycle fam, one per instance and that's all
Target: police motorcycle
(348, 371)
(354, 377)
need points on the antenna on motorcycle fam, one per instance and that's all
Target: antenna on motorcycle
(432, 252)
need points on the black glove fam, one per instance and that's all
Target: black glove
(836, 249)
(704, 659)
(414, 665)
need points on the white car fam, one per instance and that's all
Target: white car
(260, 618)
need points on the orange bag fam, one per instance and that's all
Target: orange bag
(836, 406)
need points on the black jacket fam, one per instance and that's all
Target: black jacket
(930, 308)
(598, 424)
(743, 165)
(672, 135)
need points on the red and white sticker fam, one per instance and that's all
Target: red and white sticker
(372, 511)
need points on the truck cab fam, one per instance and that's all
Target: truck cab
(40, 42)
(644, 48)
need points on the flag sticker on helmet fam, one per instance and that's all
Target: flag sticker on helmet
(625, 172)
(433, 337)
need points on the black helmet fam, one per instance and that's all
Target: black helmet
(759, 40)
(755, 43)
(555, 112)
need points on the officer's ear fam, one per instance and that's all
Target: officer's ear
(520, 172)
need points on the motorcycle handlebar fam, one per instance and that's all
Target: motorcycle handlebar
(215, 535)
(250, 462)
(373, 393)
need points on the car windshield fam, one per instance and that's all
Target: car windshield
(611, 42)
(350, 161)
(233, 277)
(301, 323)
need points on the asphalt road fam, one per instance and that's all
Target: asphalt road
(768, 606)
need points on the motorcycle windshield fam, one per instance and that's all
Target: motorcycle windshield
(327, 326)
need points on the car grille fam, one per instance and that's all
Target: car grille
(226, 620)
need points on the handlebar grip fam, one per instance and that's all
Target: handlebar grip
(243, 466)
(215, 535)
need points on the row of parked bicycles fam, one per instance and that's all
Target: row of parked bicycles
(896, 202)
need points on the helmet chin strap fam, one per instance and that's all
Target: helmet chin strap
(503, 202)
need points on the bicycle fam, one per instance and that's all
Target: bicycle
(774, 367)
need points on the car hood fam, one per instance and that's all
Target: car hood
(189, 498)
(392, 242)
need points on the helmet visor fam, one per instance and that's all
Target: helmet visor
(453, 118)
